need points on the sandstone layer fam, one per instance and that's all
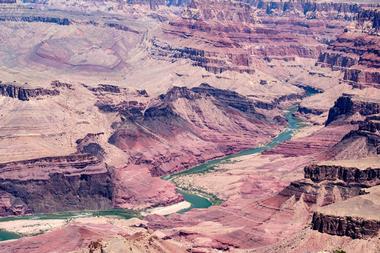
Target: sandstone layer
(107, 97)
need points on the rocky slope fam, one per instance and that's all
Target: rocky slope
(355, 52)
(347, 106)
(149, 89)
(219, 121)
(213, 121)
(323, 185)
(23, 93)
(221, 38)
(362, 141)
(106, 236)
(356, 217)
(76, 182)
(345, 226)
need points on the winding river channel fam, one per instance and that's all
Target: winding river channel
(199, 199)
(196, 198)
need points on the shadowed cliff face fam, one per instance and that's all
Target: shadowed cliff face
(41, 19)
(331, 187)
(346, 106)
(356, 228)
(77, 182)
(235, 38)
(323, 185)
(24, 94)
(57, 193)
(356, 54)
(362, 141)
(368, 177)
(371, 16)
(265, 50)
(204, 116)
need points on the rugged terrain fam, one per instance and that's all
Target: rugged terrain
(102, 100)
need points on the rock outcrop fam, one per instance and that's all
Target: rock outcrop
(354, 227)
(365, 178)
(361, 142)
(77, 182)
(339, 195)
(347, 105)
(369, 20)
(356, 217)
(24, 94)
(327, 184)
(211, 118)
(308, 9)
(356, 54)
(234, 38)
(43, 19)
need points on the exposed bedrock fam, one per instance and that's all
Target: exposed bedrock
(24, 94)
(337, 59)
(362, 76)
(155, 3)
(327, 184)
(213, 121)
(365, 178)
(347, 105)
(348, 11)
(307, 8)
(211, 61)
(302, 8)
(370, 124)
(357, 54)
(50, 184)
(367, 134)
(306, 110)
(44, 19)
(353, 227)
(321, 194)
(371, 16)
(234, 38)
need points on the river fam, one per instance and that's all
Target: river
(196, 198)
(199, 199)
(204, 200)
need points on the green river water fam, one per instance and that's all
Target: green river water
(205, 200)
(197, 198)
(200, 199)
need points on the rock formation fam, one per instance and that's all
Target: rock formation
(23, 93)
(51, 184)
(181, 113)
(43, 19)
(355, 52)
(356, 228)
(347, 106)
(149, 88)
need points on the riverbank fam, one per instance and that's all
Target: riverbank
(201, 197)
(166, 210)
(26, 228)
(195, 197)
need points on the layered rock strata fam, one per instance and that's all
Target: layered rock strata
(210, 118)
(51, 184)
(356, 54)
(357, 217)
(24, 94)
(354, 227)
(347, 105)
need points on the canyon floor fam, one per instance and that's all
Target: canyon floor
(189, 126)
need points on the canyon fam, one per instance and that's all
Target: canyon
(189, 126)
